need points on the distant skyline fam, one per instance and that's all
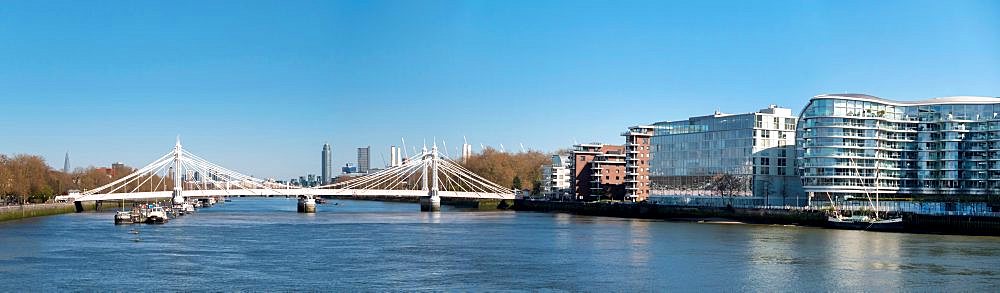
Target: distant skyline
(259, 86)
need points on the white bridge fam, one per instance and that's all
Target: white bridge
(426, 175)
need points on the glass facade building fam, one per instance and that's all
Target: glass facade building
(750, 154)
(852, 145)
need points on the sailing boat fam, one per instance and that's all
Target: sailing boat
(864, 221)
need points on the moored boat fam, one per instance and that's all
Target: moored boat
(869, 221)
(123, 217)
(156, 215)
(863, 222)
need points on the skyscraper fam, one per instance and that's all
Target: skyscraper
(395, 156)
(364, 160)
(66, 164)
(327, 164)
(466, 151)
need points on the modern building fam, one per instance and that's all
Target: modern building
(856, 146)
(326, 163)
(349, 169)
(364, 159)
(395, 156)
(556, 178)
(66, 164)
(749, 154)
(637, 157)
(466, 151)
(598, 172)
(312, 180)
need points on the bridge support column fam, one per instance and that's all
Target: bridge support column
(307, 204)
(79, 206)
(432, 202)
(178, 191)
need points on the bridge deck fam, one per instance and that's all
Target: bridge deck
(290, 192)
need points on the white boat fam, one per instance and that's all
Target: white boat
(156, 215)
(123, 217)
(864, 220)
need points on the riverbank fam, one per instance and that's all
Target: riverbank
(38, 210)
(913, 223)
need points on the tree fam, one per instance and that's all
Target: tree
(517, 183)
(728, 184)
(501, 168)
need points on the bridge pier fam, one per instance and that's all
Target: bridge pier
(430, 203)
(307, 205)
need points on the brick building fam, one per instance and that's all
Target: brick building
(598, 171)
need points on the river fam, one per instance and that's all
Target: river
(255, 244)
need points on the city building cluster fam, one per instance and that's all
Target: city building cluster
(839, 147)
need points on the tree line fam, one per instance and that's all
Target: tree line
(514, 170)
(27, 178)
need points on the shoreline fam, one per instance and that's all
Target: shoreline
(913, 223)
(9, 213)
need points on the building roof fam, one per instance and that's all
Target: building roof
(933, 101)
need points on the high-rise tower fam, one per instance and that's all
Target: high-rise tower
(327, 164)
(66, 164)
(364, 160)
(466, 150)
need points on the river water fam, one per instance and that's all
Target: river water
(255, 244)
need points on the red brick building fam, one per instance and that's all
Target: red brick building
(598, 171)
(637, 162)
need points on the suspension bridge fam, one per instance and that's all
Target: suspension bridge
(428, 176)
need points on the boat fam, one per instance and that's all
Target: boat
(156, 215)
(123, 217)
(862, 220)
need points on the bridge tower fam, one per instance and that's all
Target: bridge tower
(423, 175)
(431, 202)
(178, 191)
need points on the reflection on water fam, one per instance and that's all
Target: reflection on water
(639, 243)
(264, 245)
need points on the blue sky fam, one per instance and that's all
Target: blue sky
(259, 86)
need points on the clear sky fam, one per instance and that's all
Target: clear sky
(259, 86)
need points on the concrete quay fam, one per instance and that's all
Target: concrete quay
(38, 210)
(913, 223)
